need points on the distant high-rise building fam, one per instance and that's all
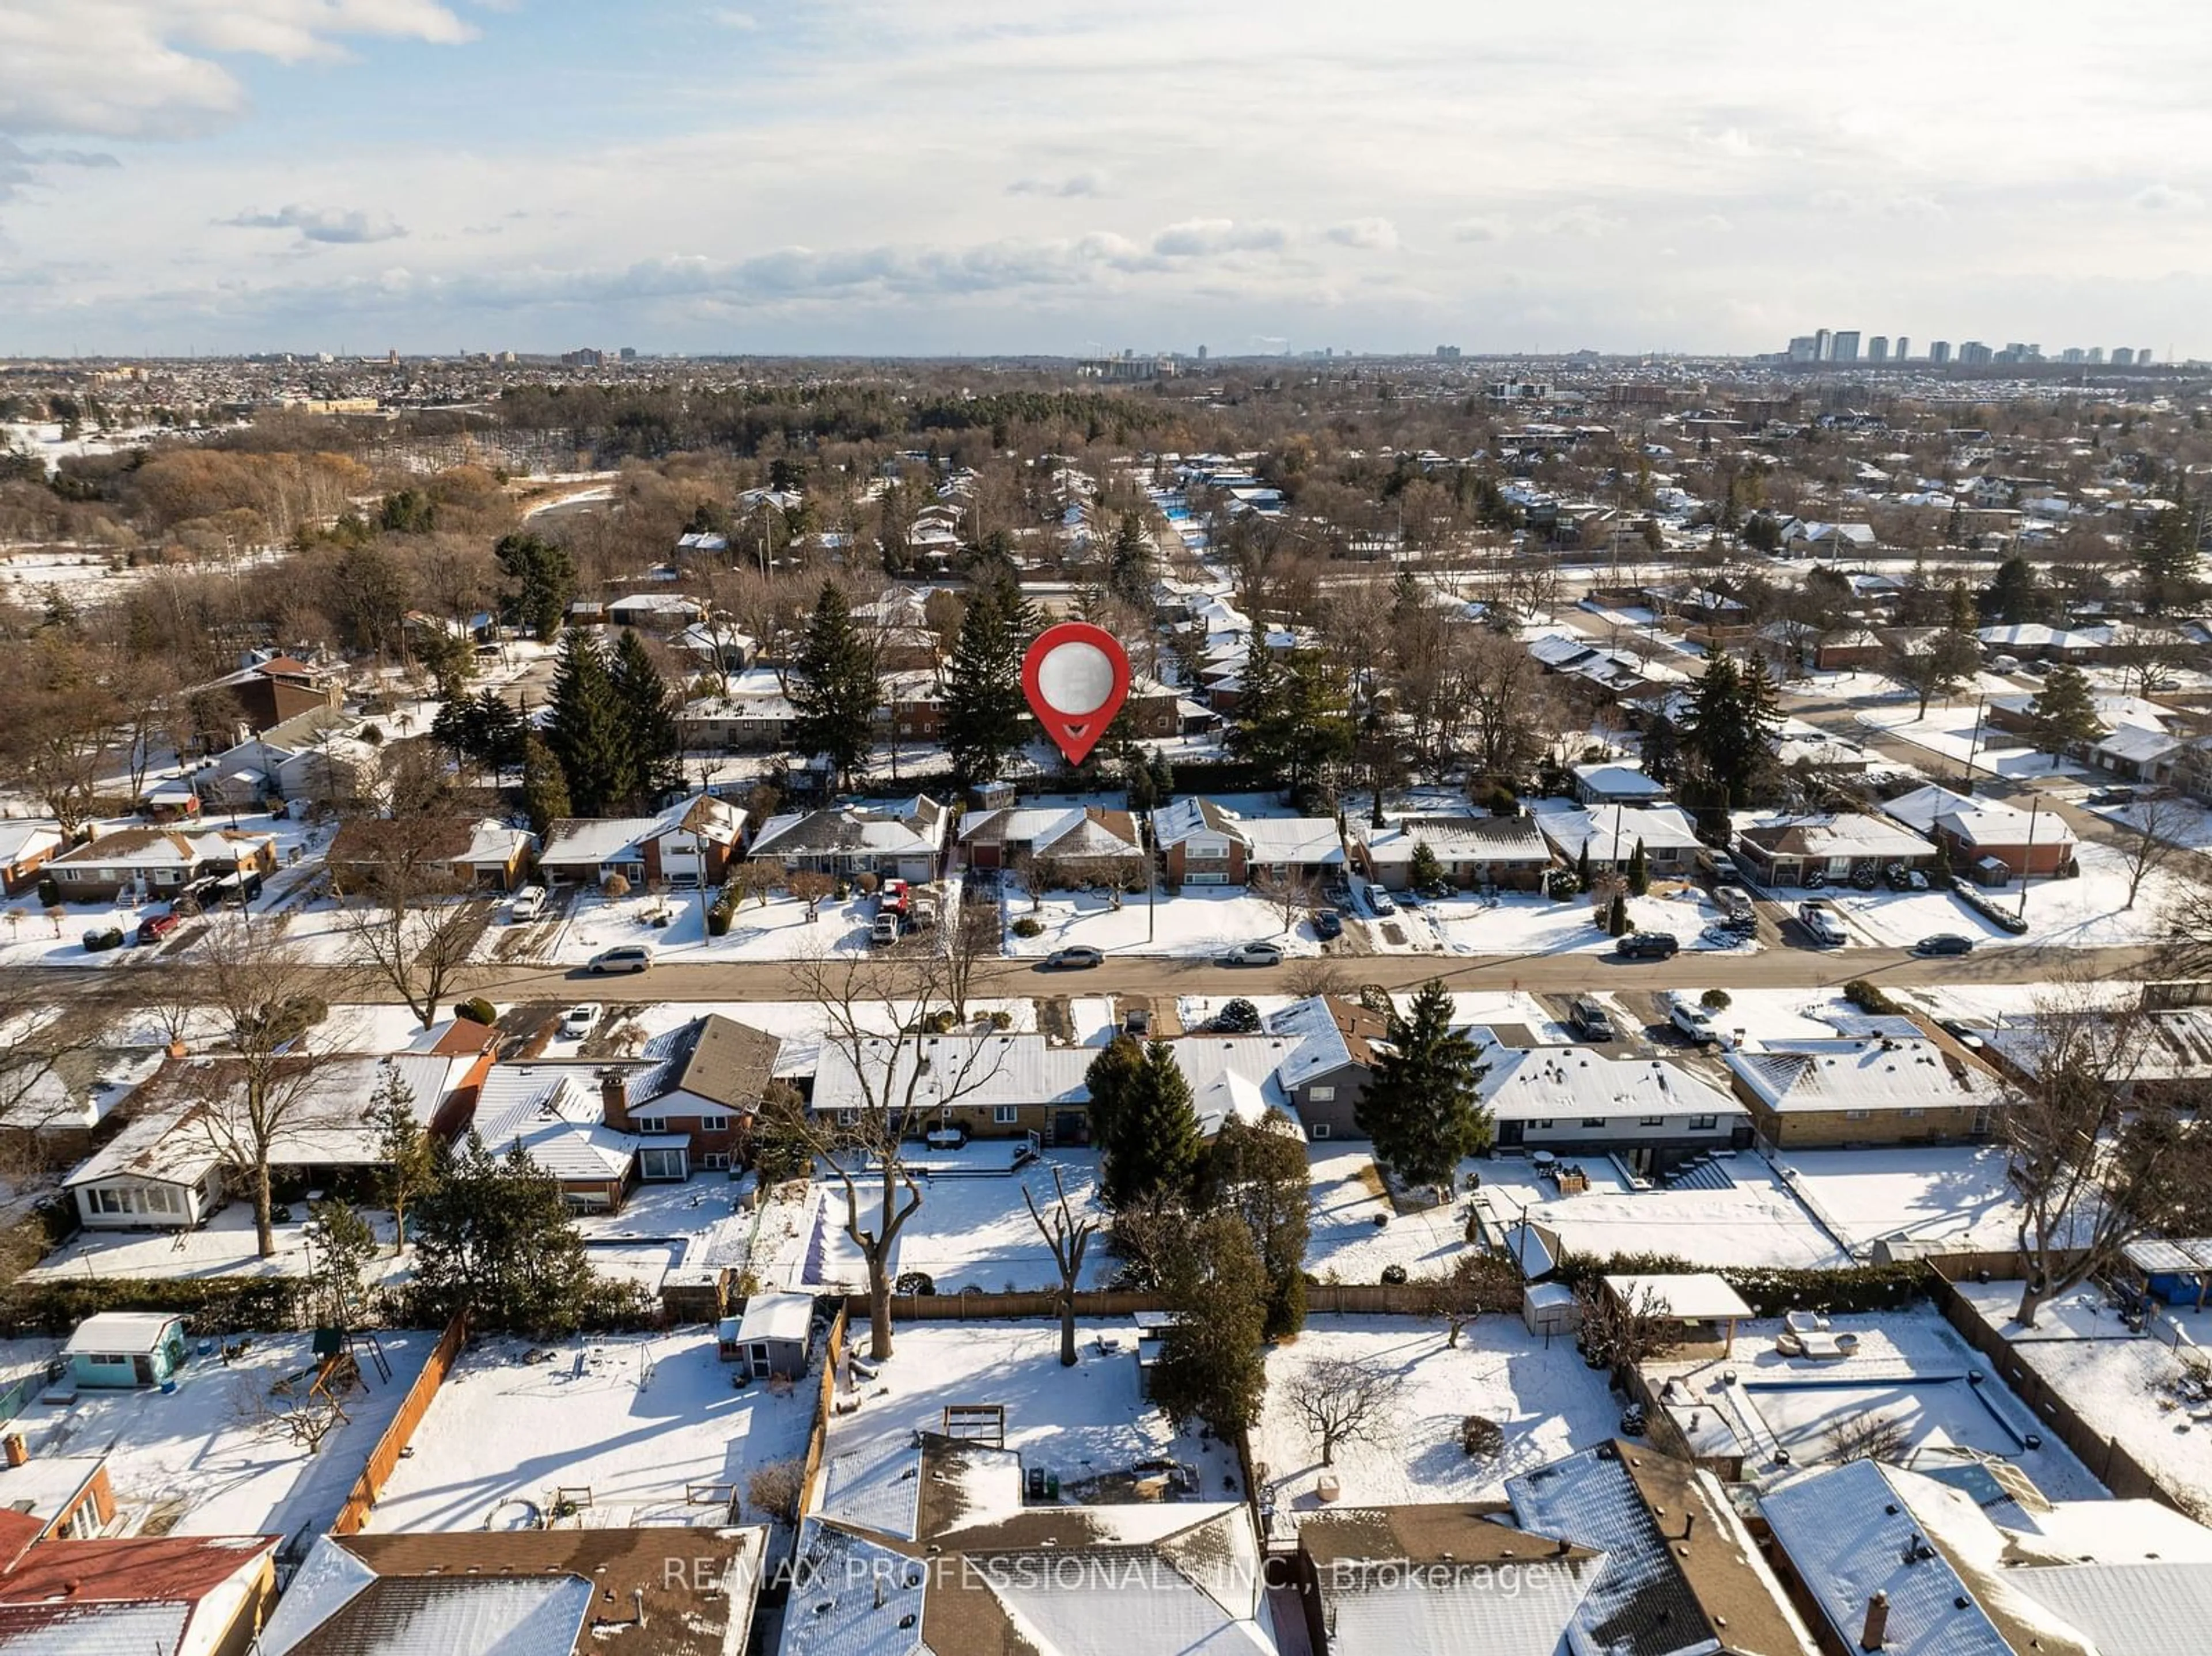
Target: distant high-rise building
(1974, 353)
(1939, 350)
(2073, 354)
(1447, 352)
(1201, 353)
(1804, 348)
(2096, 353)
(1903, 349)
(2142, 356)
(1878, 348)
(628, 353)
(2123, 357)
(1844, 347)
(1821, 344)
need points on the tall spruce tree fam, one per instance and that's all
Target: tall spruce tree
(540, 581)
(1421, 1107)
(1155, 1149)
(496, 1238)
(2063, 713)
(544, 788)
(984, 704)
(1111, 1080)
(587, 730)
(1258, 1171)
(1129, 563)
(648, 718)
(2167, 558)
(1212, 1362)
(836, 690)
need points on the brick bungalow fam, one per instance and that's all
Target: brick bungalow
(25, 848)
(1973, 830)
(161, 861)
(703, 1083)
(1199, 844)
(692, 843)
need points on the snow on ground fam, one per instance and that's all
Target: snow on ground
(1951, 730)
(799, 1025)
(2176, 819)
(1196, 925)
(652, 1426)
(2087, 913)
(200, 1459)
(1910, 1369)
(1757, 1016)
(1547, 1401)
(1955, 1195)
(2124, 1383)
(695, 1227)
(1759, 1222)
(1095, 1018)
(970, 1232)
(223, 1246)
(777, 931)
(1516, 923)
(1078, 1422)
(1345, 1243)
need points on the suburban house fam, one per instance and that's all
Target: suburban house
(307, 757)
(701, 1081)
(674, 1590)
(1199, 843)
(753, 715)
(913, 705)
(691, 843)
(1294, 849)
(183, 1595)
(1883, 1082)
(126, 1348)
(25, 847)
(263, 694)
(995, 1086)
(1507, 852)
(155, 862)
(477, 853)
(1615, 783)
(928, 1546)
(1834, 845)
(1570, 1100)
(55, 1496)
(906, 839)
(557, 1113)
(654, 612)
(1331, 1044)
(1974, 832)
(1075, 845)
(1608, 835)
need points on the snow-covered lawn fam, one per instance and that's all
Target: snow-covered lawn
(1195, 925)
(644, 1423)
(970, 1232)
(1951, 731)
(1345, 1243)
(777, 931)
(1520, 924)
(2124, 1383)
(1548, 1403)
(1955, 1195)
(1078, 1422)
(799, 1025)
(1909, 1369)
(223, 1246)
(1759, 1222)
(2087, 913)
(199, 1459)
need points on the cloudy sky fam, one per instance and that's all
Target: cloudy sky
(1064, 175)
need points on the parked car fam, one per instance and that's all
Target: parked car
(1736, 905)
(1589, 1020)
(1695, 1022)
(529, 904)
(1327, 925)
(1379, 903)
(1411, 898)
(628, 957)
(103, 937)
(1901, 878)
(155, 927)
(1964, 1033)
(1719, 865)
(1137, 1021)
(2112, 796)
(1823, 924)
(1944, 942)
(885, 927)
(576, 1023)
(1076, 957)
(1253, 954)
(1439, 889)
(1648, 946)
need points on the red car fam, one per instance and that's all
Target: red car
(155, 927)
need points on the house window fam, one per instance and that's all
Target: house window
(1593, 1121)
(1542, 1126)
(713, 1123)
(1915, 1114)
(650, 1123)
(1704, 1123)
(1856, 1115)
(714, 1162)
(1320, 1129)
(1651, 1121)
(1005, 1115)
(662, 1165)
(1321, 1094)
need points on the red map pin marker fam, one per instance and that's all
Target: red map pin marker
(1077, 677)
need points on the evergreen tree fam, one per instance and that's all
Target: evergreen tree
(1583, 875)
(1162, 778)
(1639, 869)
(2167, 558)
(484, 729)
(540, 581)
(496, 1238)
(836, 691)
(1129, 563)
(1424, 869)
(2063, 713)
(985, 708)
(1212, 1360)
(2014, 595)
(407, 1167)
(1111, 1081)
(1256, 734)
(544, 788)
(1154, 1147)
(588, 730)
(1616, 915)
(1259, 1171)
(1421, 1107)
(1731, 713)
(648, 719)
(1661, 749)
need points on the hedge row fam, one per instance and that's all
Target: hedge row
(1771, 1290)
(218, 1305)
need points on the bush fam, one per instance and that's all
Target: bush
(1394, 1276)
(1868, 996)
(218, 1305)
(1002, 1020)
(774, 1490)
(1237, 1017)
(1498, 799)
(1027, 927)
(1482, 1439)
(50, 892)
(614, 885)
(719, 916)
(294, 1018)
(1714, 1000)
(1772, 1290)
(477, 1010)
(918, 1282)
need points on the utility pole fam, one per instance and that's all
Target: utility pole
(2027, 863)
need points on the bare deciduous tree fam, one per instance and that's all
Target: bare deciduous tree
(1069, 1238)
(414, 924)
(1476, 1285)
(810, 888)
(1317, 977)
(2151, 836)
(971, 939)
(1625, 1335)
(1870, 1436)
(1290, 895)
(1340, 1400)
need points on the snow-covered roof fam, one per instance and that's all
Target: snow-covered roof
(1547, 1083)
(1611, 833)
(132, 1333)
(1693, 1295)
(1326, 1033)
(782, 1317)
(1844, 834)
(1977, 821)
(924, 1072)
(553, 1111)
(1867, 1074)
(1614, 780)
(1299, 840)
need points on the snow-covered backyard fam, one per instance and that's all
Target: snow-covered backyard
(1546, 1401)
(1957, 1196)
(650, 1427)
(1194, 926)
(1757, 1221)
(206, 1459)
(2087, 913)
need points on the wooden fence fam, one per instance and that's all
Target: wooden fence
(825, 1396)
(1346, 1299)
(386, 1455)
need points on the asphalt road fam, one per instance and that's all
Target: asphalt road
(1784, 967)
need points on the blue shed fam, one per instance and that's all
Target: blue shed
(124, 1349)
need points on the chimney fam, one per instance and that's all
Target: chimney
(15, 1448)
(614, 1099)
(1877, 1622)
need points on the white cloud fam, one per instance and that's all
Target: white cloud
(1077, 184)
(1479, 229)
(731, 18)
(2165, 198)
(320, 224)
(1197, 238)
(1367, 234)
